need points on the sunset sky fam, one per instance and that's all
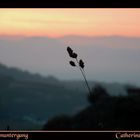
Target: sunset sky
(60, 22)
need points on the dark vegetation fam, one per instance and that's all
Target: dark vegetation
(104, 113)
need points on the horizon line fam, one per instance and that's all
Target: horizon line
(63, 36)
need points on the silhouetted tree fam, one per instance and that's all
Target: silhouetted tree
(97, 92)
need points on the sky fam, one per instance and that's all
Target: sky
(108, 40)
(61, 22)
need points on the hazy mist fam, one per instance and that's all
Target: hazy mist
(109, 59)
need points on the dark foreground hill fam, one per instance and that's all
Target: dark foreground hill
(106, 113)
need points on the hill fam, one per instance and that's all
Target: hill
(34, 98)
(104, 113)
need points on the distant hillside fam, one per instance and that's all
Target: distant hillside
(19, 74)
(33, 99)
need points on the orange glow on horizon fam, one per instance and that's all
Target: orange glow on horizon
(61, 22)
